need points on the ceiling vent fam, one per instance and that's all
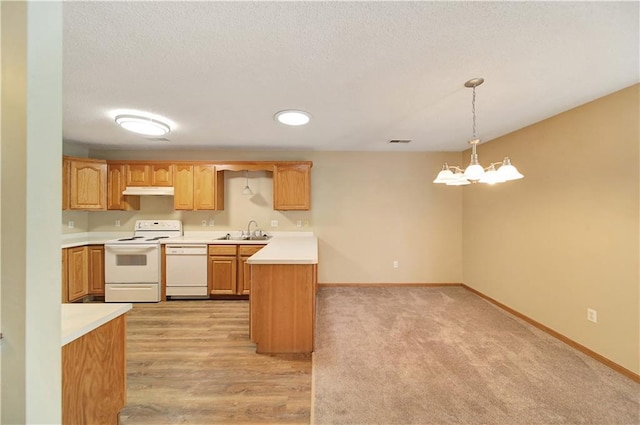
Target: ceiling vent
(399, 141)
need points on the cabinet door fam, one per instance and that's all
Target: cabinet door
(183, 187)
(116, 183)
(65, 296)
(244, 269)
(87, 185)
(65, 184)
(222, 275)
(208, 188)
(244, 276)
(161, 174)
(291, 187)
(96, 269)
(77, 278)
(138, 175)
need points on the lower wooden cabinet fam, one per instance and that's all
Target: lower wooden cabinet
(244, 269)
(229, 274)
(78, 273)
(64, 280)
(82, 272)
(222, 269)
(96, 270)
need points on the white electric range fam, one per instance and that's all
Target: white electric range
(132, 265)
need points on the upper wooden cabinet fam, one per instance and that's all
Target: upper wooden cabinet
(116, 183)
(183, 187)
(84, 184)
(292, 187)
(149, 174)
(198, 187)
(208, 188)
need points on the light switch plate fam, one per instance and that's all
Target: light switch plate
(274, 223)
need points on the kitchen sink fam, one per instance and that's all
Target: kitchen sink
(244, 238)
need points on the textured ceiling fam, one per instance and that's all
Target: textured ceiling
(366, 71)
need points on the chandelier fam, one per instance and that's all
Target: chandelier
(452, 175)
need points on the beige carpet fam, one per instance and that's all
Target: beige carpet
(446, 356)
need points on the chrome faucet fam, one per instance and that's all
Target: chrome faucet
(249, 227)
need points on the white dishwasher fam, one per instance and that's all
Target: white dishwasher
(186, 271)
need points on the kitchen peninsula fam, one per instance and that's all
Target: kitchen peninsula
(283, 295)
(283, 276)
(93, 362)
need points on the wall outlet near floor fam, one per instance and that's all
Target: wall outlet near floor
(274, 223)
(117, 223)
(395, 264)
(592, 315)
(211, 222)
(70, 224)
(204, 223)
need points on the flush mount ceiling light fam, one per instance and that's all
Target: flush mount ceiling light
(142, 125)
(292, 117)
(452, 175)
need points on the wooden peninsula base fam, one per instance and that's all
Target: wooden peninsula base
(283, 302)
(94, 375)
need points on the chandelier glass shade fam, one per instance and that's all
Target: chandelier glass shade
(453, 175)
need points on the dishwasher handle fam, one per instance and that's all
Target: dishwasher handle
(186, 250)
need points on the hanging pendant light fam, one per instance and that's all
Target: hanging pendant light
(247, 190)
(476, 173)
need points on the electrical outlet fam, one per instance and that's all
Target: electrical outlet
(70, 224)
(395, 264)
(211, 222)
(299, 223)
(204, 223)
(592, 315)
(117, 223)
(274, 223)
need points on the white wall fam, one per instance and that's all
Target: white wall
(30, 201)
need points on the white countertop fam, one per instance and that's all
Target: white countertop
(70, 240)
(80, 319)
(288, 250)
(281, 248)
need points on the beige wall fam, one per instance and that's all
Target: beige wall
(368, 209)
(566, 237)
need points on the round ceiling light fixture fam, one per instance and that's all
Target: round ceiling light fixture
(293, 117)
(143, 125)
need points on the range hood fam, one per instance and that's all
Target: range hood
(148, 190)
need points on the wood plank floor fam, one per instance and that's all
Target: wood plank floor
(192, 362)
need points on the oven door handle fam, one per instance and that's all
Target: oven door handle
(130, 249)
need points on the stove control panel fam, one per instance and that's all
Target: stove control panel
(158, 225)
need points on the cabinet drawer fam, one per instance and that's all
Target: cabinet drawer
(222, 249)
(249, 250)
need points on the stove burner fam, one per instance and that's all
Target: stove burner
(133, 238)
(157, 238)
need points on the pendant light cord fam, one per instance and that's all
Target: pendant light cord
(473, 111)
